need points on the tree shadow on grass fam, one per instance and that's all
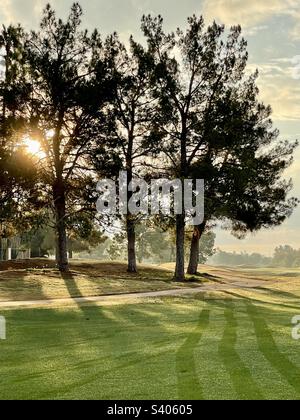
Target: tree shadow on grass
(266, 342)
(259, 301)
(75, 292)
(268, 347)
(189, 387)
(279, 293)
(240, 375)
(125, 356)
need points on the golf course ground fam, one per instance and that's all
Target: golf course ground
(234, 343)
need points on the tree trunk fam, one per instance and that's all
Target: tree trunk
(130, 226)
(61, 231)
(195, 249)
(180, 230)
(180, 218)
(70, 252)
(130, 221)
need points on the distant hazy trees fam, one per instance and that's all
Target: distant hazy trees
(284, 256)
(239, 259)
(153, 245)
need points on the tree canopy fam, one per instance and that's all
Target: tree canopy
(180, 105)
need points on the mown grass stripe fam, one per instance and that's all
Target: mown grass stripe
(268, 347)
(189, 386)
(241, 378)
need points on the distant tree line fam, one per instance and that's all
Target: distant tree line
(181, 105)
(235, 259)
(284, 256)
(153, 245)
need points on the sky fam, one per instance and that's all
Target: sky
(272, 29)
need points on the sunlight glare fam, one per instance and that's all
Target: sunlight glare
(33, 146)
(50, 134)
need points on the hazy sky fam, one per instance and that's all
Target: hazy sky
(272, 28)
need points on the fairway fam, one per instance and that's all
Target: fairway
(214, 345)
(149, 203)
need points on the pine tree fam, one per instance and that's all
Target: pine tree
(70, 86)
(217, 129)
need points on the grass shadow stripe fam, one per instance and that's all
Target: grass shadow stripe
(240, 375)
(189, 386)
(268, 347)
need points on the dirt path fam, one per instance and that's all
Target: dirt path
(240, 283)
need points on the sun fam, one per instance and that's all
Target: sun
(33, 147)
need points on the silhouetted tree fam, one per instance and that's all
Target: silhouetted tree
(70, 85)
(17, 167)
(214, 122)
(134, 110)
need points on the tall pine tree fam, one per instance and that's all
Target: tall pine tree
(212, 119)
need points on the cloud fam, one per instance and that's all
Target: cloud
(294, 69)
(19, 11)
(260, 242)
(279, 87)
(255, 30)
(6, 10)
(252, 13)
(284, 98)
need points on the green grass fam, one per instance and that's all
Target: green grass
(38, 279)
(234, 345)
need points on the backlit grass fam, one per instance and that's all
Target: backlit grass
(39, 279)
(230, 345)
